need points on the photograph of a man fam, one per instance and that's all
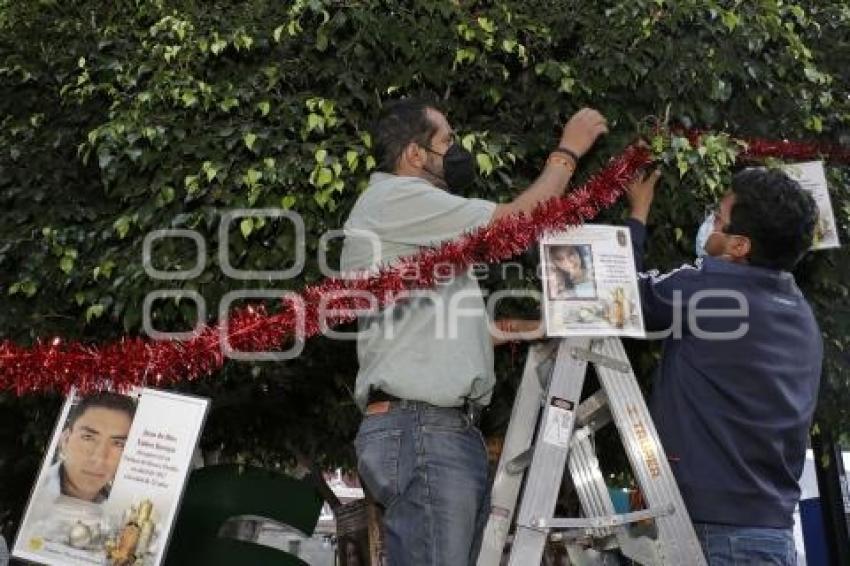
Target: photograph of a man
(90, 447)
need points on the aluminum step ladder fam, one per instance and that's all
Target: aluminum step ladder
(539, 447)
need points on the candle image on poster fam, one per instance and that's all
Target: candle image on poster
(590, 283)
(111, 481)
(812, 177)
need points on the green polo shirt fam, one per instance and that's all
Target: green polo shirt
(433, 345)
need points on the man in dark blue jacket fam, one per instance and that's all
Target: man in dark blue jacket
(738, 380)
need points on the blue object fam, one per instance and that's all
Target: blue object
(814, 536)
(620, 498)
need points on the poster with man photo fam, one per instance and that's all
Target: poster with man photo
(111, 480)
(590, 283)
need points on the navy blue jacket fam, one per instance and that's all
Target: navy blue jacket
(733, 415)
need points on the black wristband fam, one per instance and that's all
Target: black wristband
(567, 151)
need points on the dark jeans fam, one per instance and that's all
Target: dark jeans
(427, 466)
(727, 545)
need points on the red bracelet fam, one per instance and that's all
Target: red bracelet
(558, 159)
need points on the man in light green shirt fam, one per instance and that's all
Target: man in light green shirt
(425, 360)
(434, 346)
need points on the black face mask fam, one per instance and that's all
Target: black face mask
(459, 170)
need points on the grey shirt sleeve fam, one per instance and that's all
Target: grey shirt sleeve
(423, 215)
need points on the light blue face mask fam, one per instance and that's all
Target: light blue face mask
(705, 230)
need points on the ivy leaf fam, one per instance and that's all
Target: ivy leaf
(66, 264)
(191, 184)
(228, 103)
(682, 165)
(485, 164)
(210, 169)
(322, 39)
(324, 177)
(94, 311)
(122, 226)
(487, 25)
(315, 122)
(218, 46)
(252, 177)
(467, 141)
(249, 140)
(351, 159)
(189, 99)
(246, 227)
(730, 20)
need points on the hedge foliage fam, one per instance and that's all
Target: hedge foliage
(120, 118)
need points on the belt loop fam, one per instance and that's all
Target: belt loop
(472, 410)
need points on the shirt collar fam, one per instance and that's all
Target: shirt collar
(771, 277)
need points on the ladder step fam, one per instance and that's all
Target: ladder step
(606, 521)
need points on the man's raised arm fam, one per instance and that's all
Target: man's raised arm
(579, 135)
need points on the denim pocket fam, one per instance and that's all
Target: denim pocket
(447, 420)
(377, 463)
(763, 549)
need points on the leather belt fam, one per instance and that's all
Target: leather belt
(380, 402)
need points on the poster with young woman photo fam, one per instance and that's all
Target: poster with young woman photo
(111, 479)
(590, 283)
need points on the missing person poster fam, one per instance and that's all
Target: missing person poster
(812, 177)
(112, 479)
(590, 283)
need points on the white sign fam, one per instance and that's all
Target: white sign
(112, 479)
(812, 178)
(559, 423)
(590, 283)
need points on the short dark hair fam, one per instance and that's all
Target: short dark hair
(400, 123)
(776, 214)
(103, 400)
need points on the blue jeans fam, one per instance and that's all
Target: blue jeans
(728, 545)
(427, 466)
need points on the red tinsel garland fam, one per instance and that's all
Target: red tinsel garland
(793, 151)
(57, 365)
(757, 149)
